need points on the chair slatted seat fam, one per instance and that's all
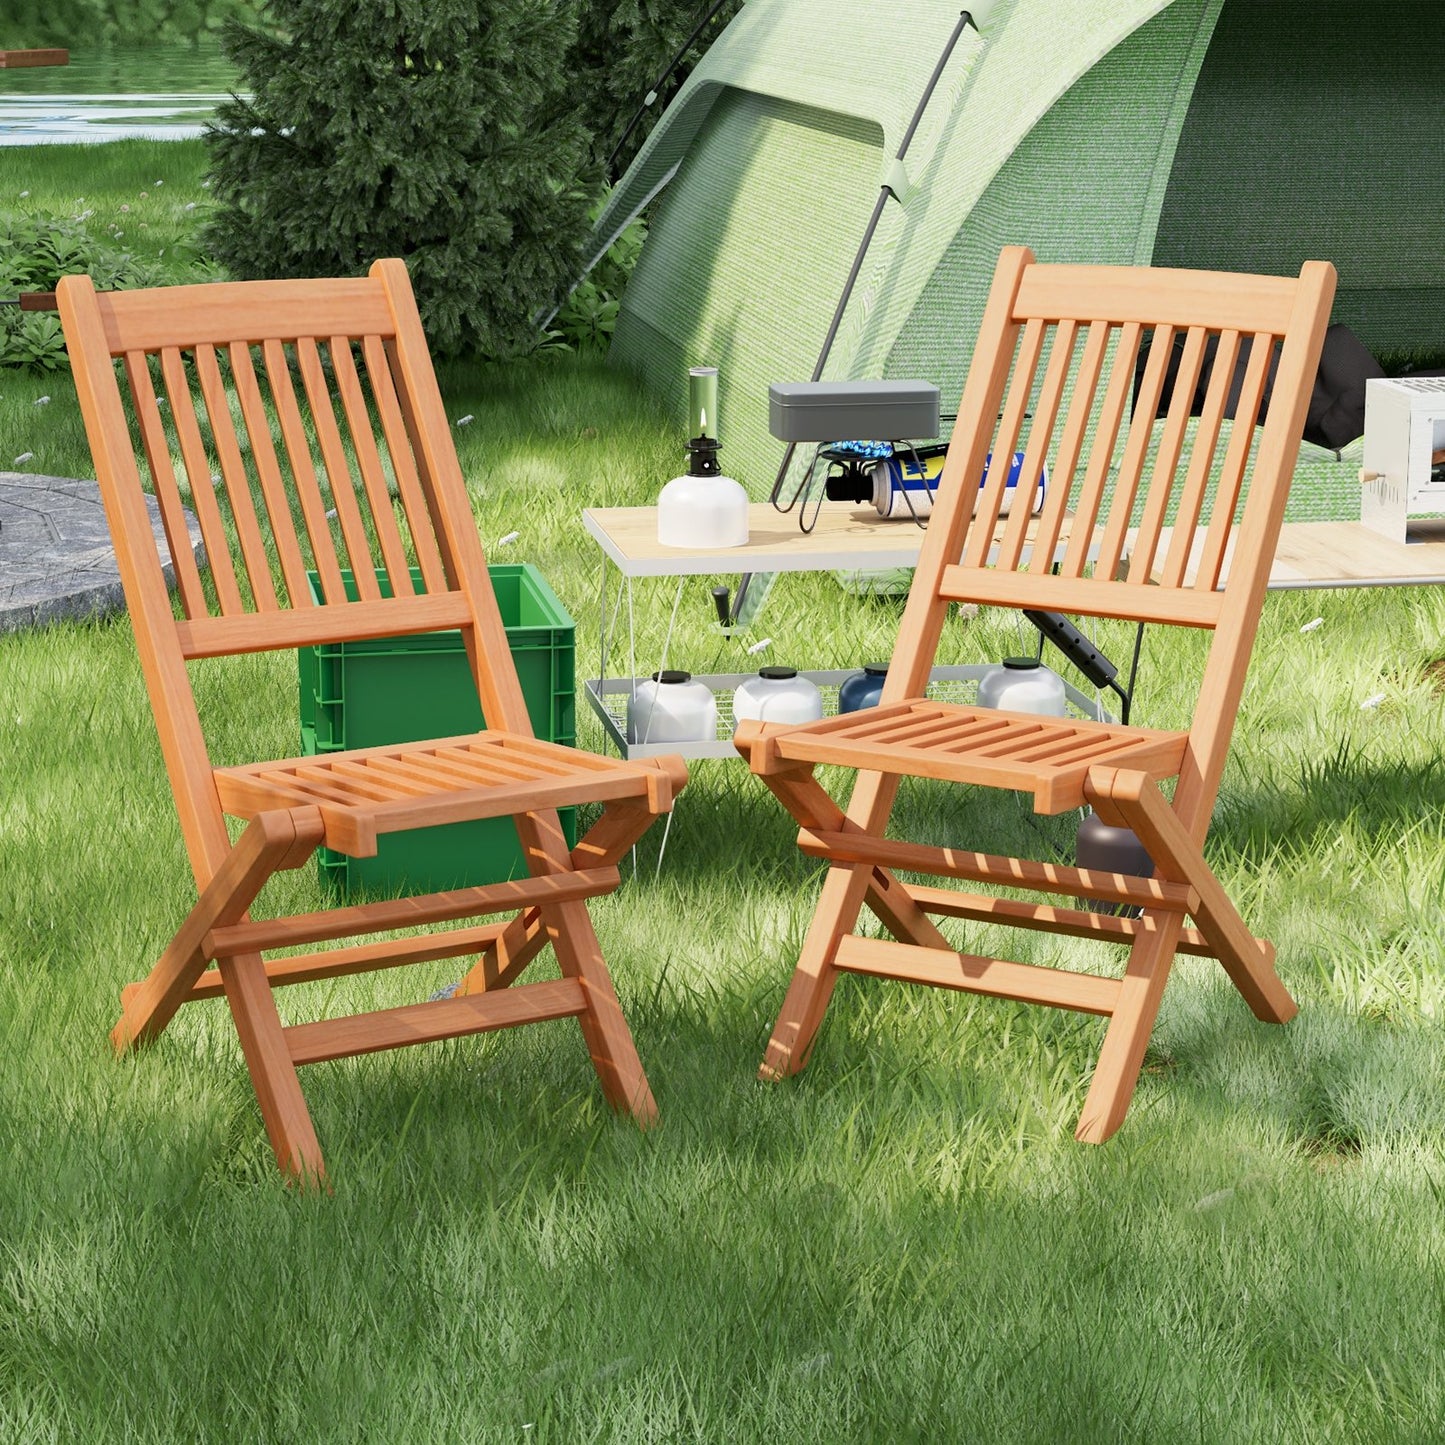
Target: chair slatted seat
(1057, 376)
(1049, 757)
(305, 420)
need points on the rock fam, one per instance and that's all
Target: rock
(56, 558)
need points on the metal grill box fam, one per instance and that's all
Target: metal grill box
(830, 411)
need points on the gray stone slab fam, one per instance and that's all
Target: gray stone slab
(56, 558)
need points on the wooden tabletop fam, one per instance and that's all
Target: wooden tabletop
(845, 537)
(1348, 554)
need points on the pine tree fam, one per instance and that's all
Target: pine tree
(441, 131)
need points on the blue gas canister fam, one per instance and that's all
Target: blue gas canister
(904, 484)
(863, 689)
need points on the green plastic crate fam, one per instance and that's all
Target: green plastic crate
(410, 689)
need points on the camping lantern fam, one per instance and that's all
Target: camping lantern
(702, 508)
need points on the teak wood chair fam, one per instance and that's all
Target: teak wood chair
(250, 455)
(1057, 347)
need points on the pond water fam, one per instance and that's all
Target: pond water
(158, 93)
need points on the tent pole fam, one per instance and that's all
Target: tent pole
(657, 85)
(965, 20)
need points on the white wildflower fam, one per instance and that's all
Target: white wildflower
(1213, 1201)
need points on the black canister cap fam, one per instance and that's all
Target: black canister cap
(876, 669)
(778, 674)
(672, 674)
(1022, 664)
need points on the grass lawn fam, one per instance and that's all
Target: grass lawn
(904, 1243)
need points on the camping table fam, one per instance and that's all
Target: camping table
(843, 540)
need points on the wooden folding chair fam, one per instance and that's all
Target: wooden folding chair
(1057, 348)
(249, 455)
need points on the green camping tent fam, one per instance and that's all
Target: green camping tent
(1238, 134)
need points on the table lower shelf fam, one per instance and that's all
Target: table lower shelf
(608, 698)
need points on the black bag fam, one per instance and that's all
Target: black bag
(1336, 414)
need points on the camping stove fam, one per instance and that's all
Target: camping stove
(1404, 471)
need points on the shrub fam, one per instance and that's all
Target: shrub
(587, 318)
(441, 131)
(36, 250)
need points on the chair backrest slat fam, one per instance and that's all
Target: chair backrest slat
(268, 470)
(1076, 423)
(303, 470)
(1136, 450)
(198, 478)
(338, 469)
(1196, 484)
(1166, 461)
(1046, 410)
(1005, 442)
(235, 479)
(368, 460)
(1231, 477)
(163, 480)
(1096, 475)
(403, 465)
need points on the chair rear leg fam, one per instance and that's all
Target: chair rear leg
(609, 1040)
(1248, 960)
(815, 977)
(273, 1074)
(504, 961)
(1122, 1056)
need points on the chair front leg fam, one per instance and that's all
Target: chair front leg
(271, 842)
(273, 1071)
(845, 890)
(570, 930)
(1122, 1056)
(889, 900)
(815, 977)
